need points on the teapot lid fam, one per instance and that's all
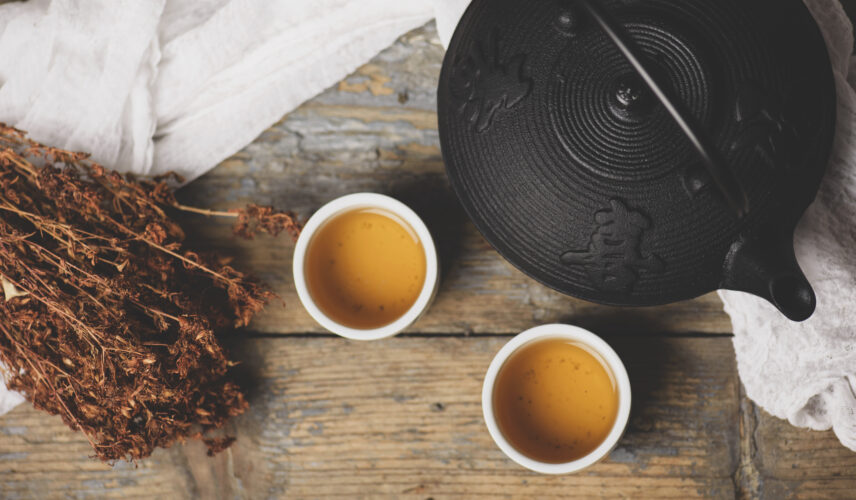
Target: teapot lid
(576, 170)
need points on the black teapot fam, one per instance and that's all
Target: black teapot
(641, 152)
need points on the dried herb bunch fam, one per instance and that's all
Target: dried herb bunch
(108, 320)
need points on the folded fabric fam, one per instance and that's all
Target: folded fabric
(79, 75)
(180, 85)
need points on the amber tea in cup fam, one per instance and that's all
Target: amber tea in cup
(365, 268)
(555, 401)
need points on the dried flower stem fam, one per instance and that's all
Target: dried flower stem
(105, 325)
(205, 211)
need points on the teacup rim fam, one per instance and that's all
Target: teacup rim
(607, 354)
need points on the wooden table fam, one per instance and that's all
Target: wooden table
(401, 417)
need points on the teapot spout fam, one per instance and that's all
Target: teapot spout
(768, 268)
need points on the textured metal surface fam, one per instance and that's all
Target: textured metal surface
(587, 184)
(629, 98)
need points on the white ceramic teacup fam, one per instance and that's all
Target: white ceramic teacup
(613, 364)
(355, 202)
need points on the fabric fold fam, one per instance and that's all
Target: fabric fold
(280, 56)
(71, 70)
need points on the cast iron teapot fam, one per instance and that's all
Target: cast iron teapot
(641, 152)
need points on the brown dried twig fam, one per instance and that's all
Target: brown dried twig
(103, 321)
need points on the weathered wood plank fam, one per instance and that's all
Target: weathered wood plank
(401, 418)
(479, 293)
(41, 458)
(799, 463)
(377, 131)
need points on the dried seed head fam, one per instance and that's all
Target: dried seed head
(103, 323)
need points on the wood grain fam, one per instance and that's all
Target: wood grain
(479, 293)
(796, 463)
(402, 418)
(41, 458)
(377, 131)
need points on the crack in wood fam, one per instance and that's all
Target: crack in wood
(748, 483)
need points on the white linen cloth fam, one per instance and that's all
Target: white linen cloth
(179, 85)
